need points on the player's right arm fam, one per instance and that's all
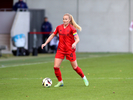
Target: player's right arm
(48, 40)
(50, 37)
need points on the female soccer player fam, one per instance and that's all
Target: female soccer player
(68, 38)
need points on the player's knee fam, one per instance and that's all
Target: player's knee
(74, 67)
(56, 67)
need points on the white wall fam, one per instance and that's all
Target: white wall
(21, 25)
(105, 23)
(131, 18)
(6, 22)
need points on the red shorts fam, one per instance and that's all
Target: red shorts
(71, 57)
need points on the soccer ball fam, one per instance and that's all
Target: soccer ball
(47, 82)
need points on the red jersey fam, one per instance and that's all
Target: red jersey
(66, 38)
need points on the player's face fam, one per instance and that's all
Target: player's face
(66, 20)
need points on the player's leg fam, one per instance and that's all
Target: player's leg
(76, 68)
(57, 71)
(72, 59)
(58, 60)
(79, 71)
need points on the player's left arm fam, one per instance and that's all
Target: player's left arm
(76, 41)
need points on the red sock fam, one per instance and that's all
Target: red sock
(58, 73)
(79, 71)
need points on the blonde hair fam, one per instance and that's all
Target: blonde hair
(72, 21)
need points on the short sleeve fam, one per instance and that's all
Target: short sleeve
(74, 31)
(56, 31)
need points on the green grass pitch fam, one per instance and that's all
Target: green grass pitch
(110, 76)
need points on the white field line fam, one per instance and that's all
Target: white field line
(67, 78)
(23, 57)
(91, 56)
(24, 64)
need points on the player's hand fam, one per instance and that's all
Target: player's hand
(43, 45)
(73, 46)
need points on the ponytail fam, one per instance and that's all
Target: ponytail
(73, 23)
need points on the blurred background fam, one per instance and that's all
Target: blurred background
(105, 24)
